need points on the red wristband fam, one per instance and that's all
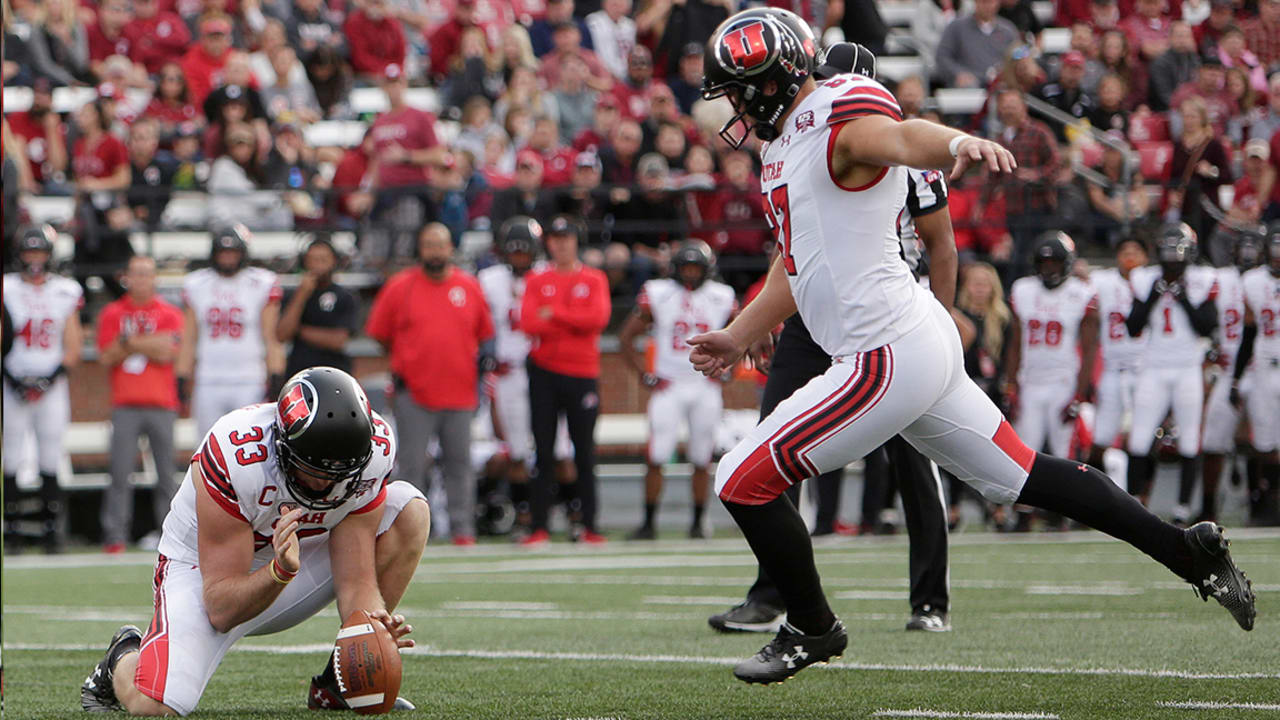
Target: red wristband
(275, 563)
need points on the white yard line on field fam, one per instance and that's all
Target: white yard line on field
(1209, 705)
(1101, 589)
(923, 713)
(702, 660)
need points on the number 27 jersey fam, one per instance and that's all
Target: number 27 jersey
(839, 245)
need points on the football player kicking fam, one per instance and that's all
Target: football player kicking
(1173, 303)
(285, 507)
(1260, 344)
(834, 180)
(687, 304)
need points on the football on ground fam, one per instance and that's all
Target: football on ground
(366, 662)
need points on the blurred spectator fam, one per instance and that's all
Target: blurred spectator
(1261, 122)
(557, 160)
(331, 81)
(44, 135)
(686, 81)
(1109, 112)
(433, 321)
(171, 106)
(151, 171)
(738, 220)
(1085, 42)
(670, 144)
(1210, 87)
(475, 70)
(633, 92)
(291, 167)
(911, 96)
(202, 65)
(566, 39)
(1195, 12)
(447, 195)
(517, 124)
(100, 164)
(1115, 57)
(1254, 187)
(1121, 200)
(446, 40)
(1104, 15)
(576, 101)
(584, 198)
(313, 25)
(861, 22)
(973, 45)
(229, 105)
(107, 36)
(319, 316)
(28, 44)
(525, 196)
(1067, 93)
(1200, 166)
(1148, 29)
(156, 35)
(678, 23)
(649, 220)
(603, 123)
(981, 298)
(1234, 55)
(67, 38)
(270, 39)
(236, 182)
(613, 36)
(476, 124)
(558, 11)
(516, 50)
(375, 39)
(1243, 97)
(620, 155)
(524, 92)
(405, 144)
(193, 168)
(1030, 193)
(1222, 14)
(1262, 34)
(138, 338)
(1022, 15)
(16, 176)
(353, 180)
(928, 22)
(289, 96)
(498, 164)
(1176, 66)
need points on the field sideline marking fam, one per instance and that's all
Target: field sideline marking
(700, 660)
(923, 713)
(1209, 705)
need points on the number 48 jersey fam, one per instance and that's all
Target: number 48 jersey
(237, 466)
(39, 314)
(228, 314)
(679, 313)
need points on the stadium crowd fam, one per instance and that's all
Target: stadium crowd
(1159, 111)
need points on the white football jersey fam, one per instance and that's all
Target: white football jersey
(1262, 292)
(239, 469)
(679, 313)
(39, 314)
(504, 292)
(1115, 300)
(1230, 304)
(839, 246)
(1050, 320)
(228, 310)
(1171, 340)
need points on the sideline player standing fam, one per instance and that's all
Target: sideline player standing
(1121, 353)
(834, 178)
(1221, 419)
(687, 304)
(229, 342)
(565, 308)
(1051, 351)
(1260, 344)
(1174, 304)
(285, 507)
(44, 314)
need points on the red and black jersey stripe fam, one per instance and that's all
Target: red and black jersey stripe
(864, 101)
(215, 470)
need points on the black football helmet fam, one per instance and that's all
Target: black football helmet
(845, 57)
(1249, 250)
(1053, 256)
(37, 238)
(235, 237)
(1273, 248)
(745, 53)
(1176, 248)
(694, 252)
(520, 234)
(324, 428)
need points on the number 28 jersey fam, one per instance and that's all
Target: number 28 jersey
(839, 245)
(679, 313)
(1050, 326)
(228, 314)
(237, 465)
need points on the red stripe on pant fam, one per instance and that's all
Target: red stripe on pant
(1009, 442)
(153, 656)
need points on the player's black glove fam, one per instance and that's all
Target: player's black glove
(1070, 412)
(1237, 400)
(1160, 287)
(1177, 289)
(488, 364)
(33, 388)
(651, 381)
(184, 390)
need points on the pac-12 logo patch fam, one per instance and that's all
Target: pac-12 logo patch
(804, 121)
(297, 408)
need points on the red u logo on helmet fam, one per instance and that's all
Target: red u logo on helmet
(747, 46)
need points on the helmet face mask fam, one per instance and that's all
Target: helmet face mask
(324, 438)
(1176, 249)
(1249, 252)
(232, 240)
(1053, 256)
(1273, 255)
(518, 240)
(696, 254)
(35, 250)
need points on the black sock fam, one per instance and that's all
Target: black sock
(698, 511)
(1086, 495)
(12, 508)
(569, 496)
(51, 497)
(520, 496)
(780, 540)
(329, 677)
(650, 512)
(1139, 473)
(1190, 470)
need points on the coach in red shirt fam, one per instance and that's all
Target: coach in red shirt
(138, 338)
(565, 308)
(434, 321)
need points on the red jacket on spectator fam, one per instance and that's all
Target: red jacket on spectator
(351, 175)
(1221, 106)
(1263, 40)
(632, 100)
(444, 42)
(729, 219)
(567, 341)
(410, 128)
(36, 138)
(1073, 11)
(374, 44)
(557, 166)
(171, 114)
(100, 161)
(203, 72)
(102, 47)
(157, 40)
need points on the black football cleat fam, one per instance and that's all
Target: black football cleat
(1215, 574)
(929, 620)
(789, 652)
(644, 532)
(97, 693)
(748, 617)
(324, 695)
